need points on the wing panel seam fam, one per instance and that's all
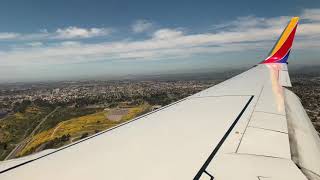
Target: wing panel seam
(250, 118)
(266, 129)
(216, 149)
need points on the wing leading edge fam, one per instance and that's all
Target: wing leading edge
(241, 128)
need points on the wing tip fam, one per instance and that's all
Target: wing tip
(282, 48)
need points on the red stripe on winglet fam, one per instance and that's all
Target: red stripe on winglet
(283, 50)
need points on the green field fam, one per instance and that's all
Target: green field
(15, 127)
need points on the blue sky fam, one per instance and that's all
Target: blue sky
(79, 39)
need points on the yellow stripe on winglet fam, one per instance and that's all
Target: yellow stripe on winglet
(292, 24)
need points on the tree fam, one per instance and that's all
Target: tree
(21, 107)
(3, 145)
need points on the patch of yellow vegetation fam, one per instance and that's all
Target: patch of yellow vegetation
(19, 115)
(135, 111)
(75, 127)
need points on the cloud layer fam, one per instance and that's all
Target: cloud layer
(242, 34)
(71, 32)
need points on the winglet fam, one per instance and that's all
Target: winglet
(281, 50)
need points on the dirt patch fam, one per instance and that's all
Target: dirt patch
(117, 114)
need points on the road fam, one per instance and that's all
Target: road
(25, 142)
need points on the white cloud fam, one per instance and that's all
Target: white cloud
(7, 35)
(76, 32)
(35, 44)
(69, 43)
(311, 14)
(71, 32)
(241, 24)
(43, 31)
(141, 26)
(167, 34)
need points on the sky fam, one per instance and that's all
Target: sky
(44, 40)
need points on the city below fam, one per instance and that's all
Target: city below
(39, 116)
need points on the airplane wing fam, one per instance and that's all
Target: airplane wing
(250, 127)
